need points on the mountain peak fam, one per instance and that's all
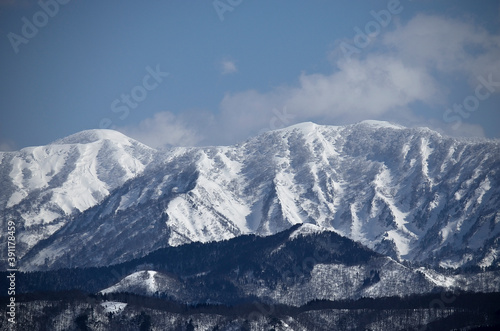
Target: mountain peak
(308, 127)
(90, 136)
(304, 126)
(380, 124)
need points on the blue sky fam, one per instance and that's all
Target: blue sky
(185, 73)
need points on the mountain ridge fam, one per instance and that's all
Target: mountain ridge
(408, 193)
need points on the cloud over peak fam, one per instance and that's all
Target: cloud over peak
(404, 77)
(165, 129)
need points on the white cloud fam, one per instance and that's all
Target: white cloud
(447, 45)
(409, 72)
(163, 130)
(359, 89)
(370, 87)
(228, 67)
(410, 69)
(465, 129)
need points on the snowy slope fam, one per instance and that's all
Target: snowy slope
(147, 282)
(407, 193)
(42, 187)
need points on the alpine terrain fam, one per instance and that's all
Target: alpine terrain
(306, 220)
(99, 197)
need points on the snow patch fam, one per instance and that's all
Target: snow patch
(306, 229)
(113, 306)
(143, 279)
(437, 278)
(488, 260)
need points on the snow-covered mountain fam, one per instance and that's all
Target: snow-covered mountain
(44, 187)
(147, 282)
(408, 193)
